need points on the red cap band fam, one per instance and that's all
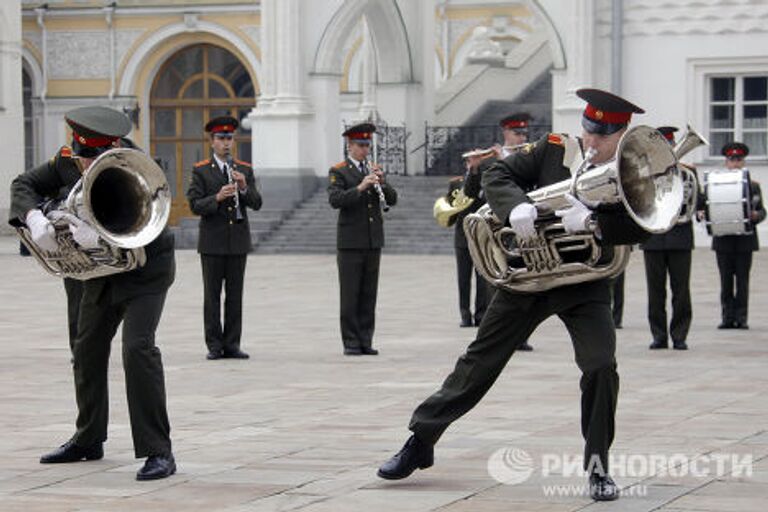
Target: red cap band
(669, 136)
(223, 128)
(601, 116)
(516, 124)
(93, 142)
(359, 135)
(735, 152)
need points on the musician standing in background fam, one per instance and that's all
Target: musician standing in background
(513, 316)
(220, 191)
(135, 298)
(734, 252)
(357, 189)
(669, 254)
(514, 129)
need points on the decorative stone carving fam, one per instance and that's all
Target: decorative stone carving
(483, 49)
(73, 55)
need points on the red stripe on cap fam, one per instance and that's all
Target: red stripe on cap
(223, 128)
(94, 142)
(669, 136)
(359, 135)
(601, 116)
(516, 124)
(735, 152)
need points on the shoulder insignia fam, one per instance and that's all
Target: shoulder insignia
(554, 138)
(241, 162)
(65, 152)
(340, 165)
(203, 162)
(332, 178)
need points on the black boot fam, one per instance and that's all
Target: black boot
(658, 344)
(679, 345)
(156, 467)
(413, 455)
(70, 452)
(602, 487)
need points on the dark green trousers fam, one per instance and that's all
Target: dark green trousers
(225, 271)
(358, 286)
(74, 290)
(509, 321)
(676, 264)
(142, 363)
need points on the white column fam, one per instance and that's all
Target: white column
(11, 102)
(368, 108)
(282, 124)
(580, 48)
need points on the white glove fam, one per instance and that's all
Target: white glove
(576, 217)
(83, 233)
(521, 220)
(42, 231)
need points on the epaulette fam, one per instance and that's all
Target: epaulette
(555, 138)
(65, 152)
(341, 164)
(456, 179)
(203, 162)
(241, 162)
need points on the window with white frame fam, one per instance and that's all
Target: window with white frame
(738, 110)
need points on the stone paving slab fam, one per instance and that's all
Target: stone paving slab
(301, 427)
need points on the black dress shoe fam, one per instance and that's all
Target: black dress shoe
(726, 325)
(740, 325)
(213, 355)
(156, 467)
(368, 351)
(353, 351)
(465, 323)
(658, 344)
(478, 321)
(412, 456)
(524, 347)
(679, 345)
(602, 488)
(234, 354)
(70, 452)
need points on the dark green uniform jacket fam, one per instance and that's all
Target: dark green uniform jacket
(360, 224)
(220, 232)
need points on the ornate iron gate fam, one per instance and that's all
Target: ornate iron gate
(389, 148)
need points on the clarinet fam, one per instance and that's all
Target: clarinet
(380, 191)
(230, 165)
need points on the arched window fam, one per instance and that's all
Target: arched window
(195, 85)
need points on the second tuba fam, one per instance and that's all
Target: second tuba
(643, 178)
(125, 198)
(688, 142)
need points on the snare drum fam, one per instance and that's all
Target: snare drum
(729, 207)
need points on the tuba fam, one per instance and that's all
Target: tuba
(125, 198)
(691, 140)
(643, 178)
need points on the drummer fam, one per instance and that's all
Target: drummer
(734, 252)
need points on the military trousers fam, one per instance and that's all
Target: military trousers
(618, 299)
(358, 286)
(225, 271)
(734, 270)
(509, 321)
(676, 264)
(142, 364)
(74, 291)
(464, 270)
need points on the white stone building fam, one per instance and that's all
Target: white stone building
(294, 71)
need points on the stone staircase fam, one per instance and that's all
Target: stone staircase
(409, 226)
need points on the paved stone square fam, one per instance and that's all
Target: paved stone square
(301, 427)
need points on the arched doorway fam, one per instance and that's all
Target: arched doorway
(194, 85)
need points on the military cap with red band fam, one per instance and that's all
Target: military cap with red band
(606, 113)
(515, 121)
(735, 149)
(96, 127)
(222, 124)
(668, 132)
(362, 133)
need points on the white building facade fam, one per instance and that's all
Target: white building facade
(298, 70)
